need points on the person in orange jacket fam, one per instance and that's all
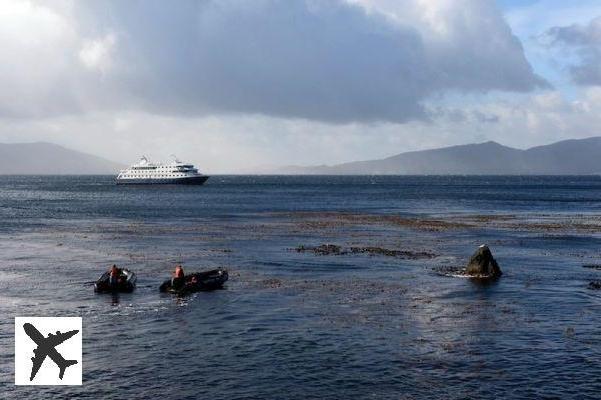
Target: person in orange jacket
(113, 276)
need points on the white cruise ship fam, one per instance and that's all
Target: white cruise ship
(146, 172)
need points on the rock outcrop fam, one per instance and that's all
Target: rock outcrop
(482, 264)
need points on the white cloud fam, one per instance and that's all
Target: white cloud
(583, 43)
(96, 54)
(35, 59)
(535, 18)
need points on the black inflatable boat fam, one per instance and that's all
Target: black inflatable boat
(126, 282)
(198, 281)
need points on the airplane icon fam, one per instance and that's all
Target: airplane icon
(46, 347)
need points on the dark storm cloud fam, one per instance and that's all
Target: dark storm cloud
(277, 58)
(322, 60)
(584, 42)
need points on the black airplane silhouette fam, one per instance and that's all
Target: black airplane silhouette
(46, 347)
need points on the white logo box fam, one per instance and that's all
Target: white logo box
(50, 345)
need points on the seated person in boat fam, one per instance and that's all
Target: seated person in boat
(114, 275)
(178, 277)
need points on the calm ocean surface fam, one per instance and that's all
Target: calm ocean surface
(295, 325)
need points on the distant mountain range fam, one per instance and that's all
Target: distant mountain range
(50, 159)
(568, 157)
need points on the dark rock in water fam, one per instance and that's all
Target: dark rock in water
(324, 249)
(592, 266)
(372, 251)
(482, 264)
(332, 249)
(596, 285)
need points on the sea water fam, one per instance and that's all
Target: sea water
(296, 325)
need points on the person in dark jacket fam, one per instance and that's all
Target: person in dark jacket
(178, 279)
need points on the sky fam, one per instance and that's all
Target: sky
(245, 86)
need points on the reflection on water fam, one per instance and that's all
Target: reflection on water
(114, 299)
(298, 325)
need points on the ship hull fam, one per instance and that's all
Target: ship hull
(195, 180)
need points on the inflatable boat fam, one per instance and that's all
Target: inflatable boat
(198, 281)
(125, 283)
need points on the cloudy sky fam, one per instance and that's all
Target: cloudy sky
(236, 85)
